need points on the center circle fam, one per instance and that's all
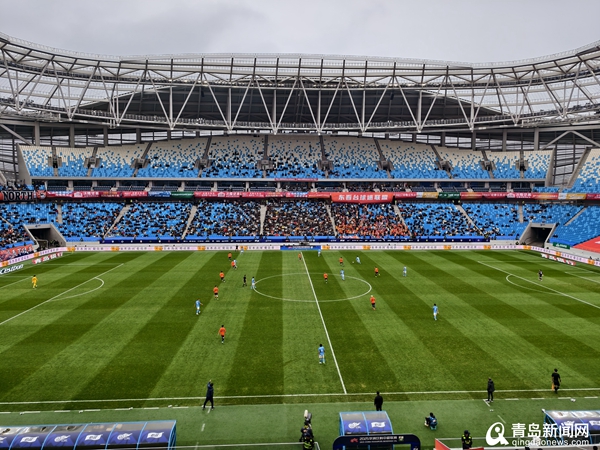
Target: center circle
(368, 289)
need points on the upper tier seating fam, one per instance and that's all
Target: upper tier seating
(411, 160)
(73, 161)
(220, 219)
(465, 163)
(36, 159)
(234, 157)
(295, 157)
(297, 218)
(117, 162)
(588, 179)
(538, 163)
(353, 157)
(153, 220)
(87, 221)
(376, 220)
(506, 164)
(173, 159)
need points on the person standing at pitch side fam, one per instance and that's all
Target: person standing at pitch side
(490, 390)
(555, 380)
(210, 392)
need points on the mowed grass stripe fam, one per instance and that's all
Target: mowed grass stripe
(303, 332)
(401, 316)
(550, 342)
(258, 358)
(362, 365)
(42, 342)
(133, 372)
(201, 357)
(52, 281)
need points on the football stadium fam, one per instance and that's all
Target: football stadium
(223, 251)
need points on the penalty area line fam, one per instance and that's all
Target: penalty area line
(324, 326)
(58, 295)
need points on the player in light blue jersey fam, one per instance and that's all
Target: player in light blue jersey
(435, 311)
(321, 354)
(253, 284)
(342, 275)
(319, 253)
(357, 260)
(404, 272)
(198, 305)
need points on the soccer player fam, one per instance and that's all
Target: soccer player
(343, 275)
(253, 284)
(376, 271)
(229, 255)
(404, 271)
(372, 302)
(325, 277)
(34, 281)
(299, 256)
(216, 291)
(235, 264)
(357, 260)
(341, 261)
(435, 311)
(321, 354)
(244, 283)
(222, 333)
(222, 275)
(319, 253)
(540, 275)
(198, 305)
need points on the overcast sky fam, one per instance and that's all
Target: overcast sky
(452, 30)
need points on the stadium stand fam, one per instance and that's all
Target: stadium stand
(295, 157)
(496, 220)
(11, 236)
(411, 160)
(377, 221)
(588, 179)
(538, 163)
(220, 220)
(87, 221)
(234, 157)
(37, 160)
(583, 228)
(465, 163)
(353, 157)
(436, 220)
(19, 214)
(73, 161)
(506, 164)
(297, 218)
(153, 220)
(173, 159)
(117, 162)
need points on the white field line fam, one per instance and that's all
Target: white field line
(584, 278)
(57, 296)
(324, 326)
(337, 394)
(539, 285)
(15, 282)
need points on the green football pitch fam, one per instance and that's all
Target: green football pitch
(113, 331)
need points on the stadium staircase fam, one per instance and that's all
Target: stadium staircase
(93, 157)
(572, 219)
(143, 158)
(521, 217)
(193, 211)
(263, 215)
(385, 164)
(439, 160)
(578, 168)
(123, 211)
(399, 214)
(59, 217)
(328, 208)
(460, 209)
(551, 164)
(55, 169)
(490, 171)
